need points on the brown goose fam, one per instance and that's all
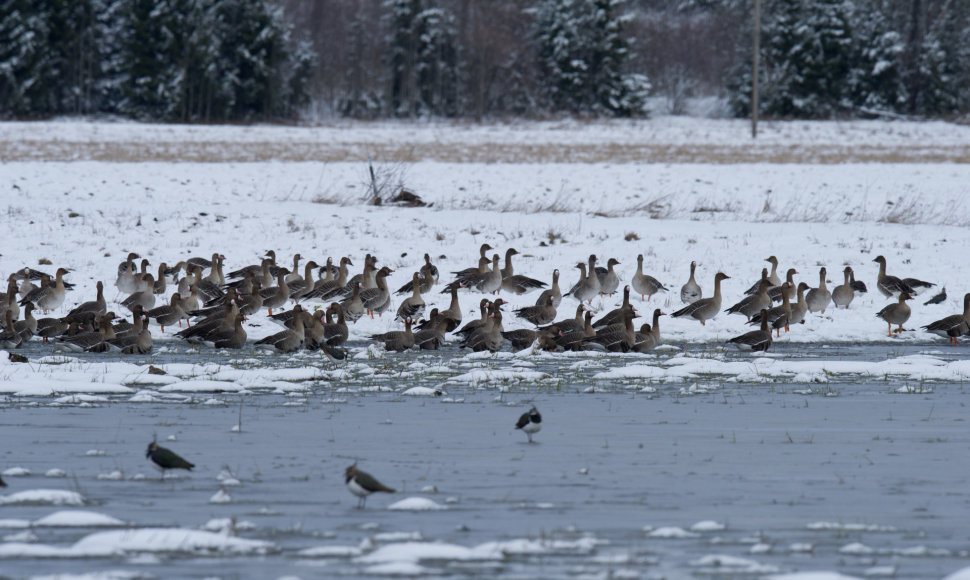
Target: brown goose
(9, 337)
(775, 292)
(300, 285)
(508, 270)
(482, 266)
(218, 321)
(691, 291)
(170, 313)
(572, 324)
(92, 339)
(538, 315)
(756, 340)
(397, 340)
(617, 337)
(254, 269)
(490, 281)
(524, 338)
(843, 294)
(336, 333)
(8, 299)
(143, 298)
(433, 337)
(890, 285)
(52, 296)
(140, 343)
(644, 285)
(203, 262)
(127, 281)
(327, 289)
(353, 307)
(378, 298)
(294, 274)
(426, 278)
(819, 298)
(412, 306)
(48, 328)
(897, 313)
(473, 325)
(649, 336)
(751, 305)
(772, 277)
(575, 339)
(234, 338)
(585, 289)
(453, 312)
(953, 326)
(800, 308)
(276, 296)
(857, 285)
(520, 284)
(780, 316)
(706, 308)
(488, 336)
(98, 306)
(288, 340)
(608, 278)
(615, 316)
(553, 291)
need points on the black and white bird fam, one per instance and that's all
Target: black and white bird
(362, 484)
(166, 458)
(530, 423)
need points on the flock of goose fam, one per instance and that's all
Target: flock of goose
(213, 305)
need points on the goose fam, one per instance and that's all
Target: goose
(751, 305)
(574, 340)
(772, 277)
(646, 286)
(254, 269)
(433, 335)
(98, 306)
(571, 324)
(295, 272)
(48, 328)
(843, 294)
(617, 337)
(649, 336)
(170, 313)
(215, 322)
(353, 307)
(593, 275)
(473, 325)
(691, 291)
(300, 285)
(482, 266)
(413, 305)
(203, 263)
(378, 298)
(608, 279)
(890, 285)
(288, 340)
(427, 280)
(800, 308)
(488, 336)
(27, 327)
(857, 285)
(143, 298)
(52, 296)
(779, 316)
(126, 283)
(138, 343)
(584, 289)
(615, 316)
(818, 298)
(553, 291)
(705, 309)
(538, 315)
(327, 289)
(234, 339)
(953, 326)
(897, 313)
(90, 339)
(8, 299)
(775, 292)
(335, 333)
(314, 328)
(756, 340)
(520, 284)
(524, 338)
(508, 270)
(276, 296)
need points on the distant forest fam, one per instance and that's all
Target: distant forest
(264, 60)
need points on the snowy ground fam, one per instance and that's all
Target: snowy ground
(833, 452)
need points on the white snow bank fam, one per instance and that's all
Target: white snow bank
(78, 518)
(416, 504)
(812, 576)
(171, 540)
(962, 574)
(43, 497)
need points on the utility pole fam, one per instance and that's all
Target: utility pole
(754, 68)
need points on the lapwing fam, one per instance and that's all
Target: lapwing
(362, 484)
(166, 458)
(530, 423)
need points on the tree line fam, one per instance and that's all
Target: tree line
(246, 60)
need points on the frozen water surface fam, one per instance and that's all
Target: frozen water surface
(713, 471)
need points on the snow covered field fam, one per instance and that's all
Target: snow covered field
(832, 452)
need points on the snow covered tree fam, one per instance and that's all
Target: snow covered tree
(876, 78)
(582, 52)
(23, 57)
(150, 58)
